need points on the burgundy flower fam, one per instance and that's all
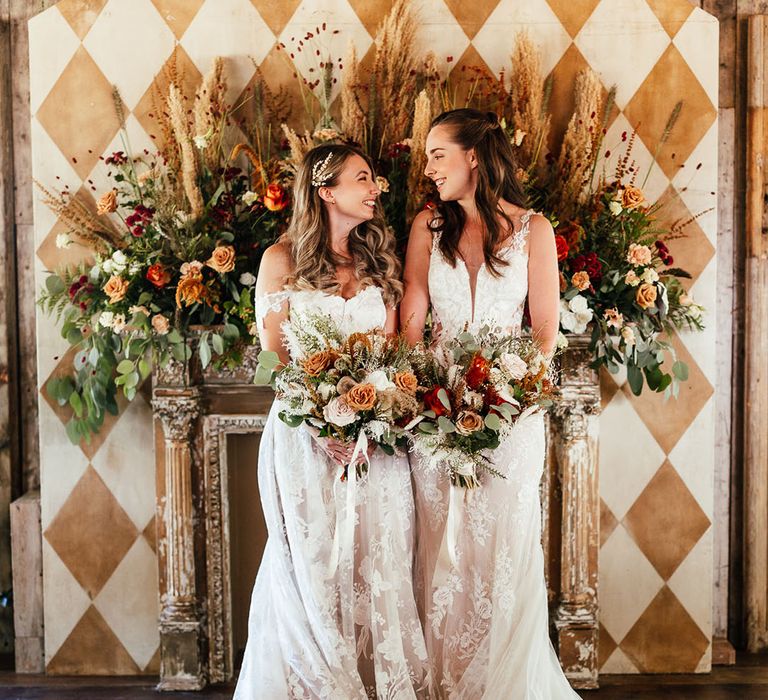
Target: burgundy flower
(117, 158)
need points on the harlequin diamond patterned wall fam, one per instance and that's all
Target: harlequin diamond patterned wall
(656, 458)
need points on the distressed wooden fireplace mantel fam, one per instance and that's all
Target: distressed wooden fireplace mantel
(194, 412)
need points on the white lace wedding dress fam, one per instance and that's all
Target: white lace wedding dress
(485, 616)
(318, 629)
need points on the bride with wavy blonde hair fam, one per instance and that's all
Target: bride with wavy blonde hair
(323, 622)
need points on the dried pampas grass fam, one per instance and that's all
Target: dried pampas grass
(190, 168)
(353, 119)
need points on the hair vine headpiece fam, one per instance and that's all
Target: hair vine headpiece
(319, 174)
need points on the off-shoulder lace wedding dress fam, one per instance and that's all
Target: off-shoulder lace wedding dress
(485, 613)
(318, 628)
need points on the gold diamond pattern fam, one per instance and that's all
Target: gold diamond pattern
(92, 533)
(692, 250)
(651, 106)
(666, 422)
(79, 113)
(665, 639)
(666, 533)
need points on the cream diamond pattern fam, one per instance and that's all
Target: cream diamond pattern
(495, 41)
(685, 581)
(695, 41)
(231, 28)
(128, 602)
(626, 465)
(339, 17)
(47, 59)
(621, 604)
(130, 33)
(619, 35)
(440, 32)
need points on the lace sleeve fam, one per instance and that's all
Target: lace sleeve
(267, 304)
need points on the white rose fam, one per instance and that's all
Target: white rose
(650, 276)
(249, 198)
(514, 365)
(247, 279)
(628, 334)
(379, 380)
(63, 240)
(119, 262)
(106, 319)
(614, 207)
(107, 267)
(339, 413)
(118, 323)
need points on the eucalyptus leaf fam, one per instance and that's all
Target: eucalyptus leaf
(680, 370)
(125, 367)
(445, 425)
(428, 428)
(205, 352)
(218, 343)
(269, 359)
(263, 376)
(635, 379)
(77, 404)
(442, 394)
(54, 284)
(492, 422)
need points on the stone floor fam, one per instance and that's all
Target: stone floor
(748, 680)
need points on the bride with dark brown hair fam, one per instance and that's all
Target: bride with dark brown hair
(326, 623)
(475, 260)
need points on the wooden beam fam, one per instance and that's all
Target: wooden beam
(755, 334)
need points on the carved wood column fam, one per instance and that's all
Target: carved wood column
(182, 635)
(575, 439)
(755, 333)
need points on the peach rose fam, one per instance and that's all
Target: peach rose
(646, 295)
(161, 324)
(581, 281)
(192, 269)
(638, 254)
(115, 288)
(107, 203)
(276, 198)
(361, 397)
(406, 381)
(468, 422)
(222, 259)
(632, 197)
(345, 384)
(317, 362)
(632, 279)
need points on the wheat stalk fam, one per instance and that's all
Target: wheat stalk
(189, 163)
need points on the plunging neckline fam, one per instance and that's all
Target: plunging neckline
(512, 238)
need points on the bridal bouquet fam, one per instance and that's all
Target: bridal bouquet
(354, 389)
(474, 389)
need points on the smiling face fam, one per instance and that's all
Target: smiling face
(355, 193)
(449, 166)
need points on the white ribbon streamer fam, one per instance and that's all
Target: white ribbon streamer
(448, 558)
(344, 535)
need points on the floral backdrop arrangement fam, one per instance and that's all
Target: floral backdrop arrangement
(178, 238)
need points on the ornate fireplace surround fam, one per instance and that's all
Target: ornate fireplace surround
(194, 412)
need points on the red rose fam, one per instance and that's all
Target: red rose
(276, 197)
(433, 402)
(562, 247)
(158, 275)
(478, 372)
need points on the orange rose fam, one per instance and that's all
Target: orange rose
(107, 203)
(158, 275)
(646, 295)
(222, 258)
(581, 281)
(406, 381)
(361, 397)
(468, 422)
(115, 288)
(191, 290)
(318, 362)
(160, 324)
(632, 197)
(276, 198)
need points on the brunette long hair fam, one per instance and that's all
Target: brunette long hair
(371, 243)
(496, 180)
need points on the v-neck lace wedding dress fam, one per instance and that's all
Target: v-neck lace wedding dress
(485, 614)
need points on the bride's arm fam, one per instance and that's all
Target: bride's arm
(415, 303)
(543, 284)
(273, 271)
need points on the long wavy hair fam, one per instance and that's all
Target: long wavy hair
(496, 180)
(371, 243)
